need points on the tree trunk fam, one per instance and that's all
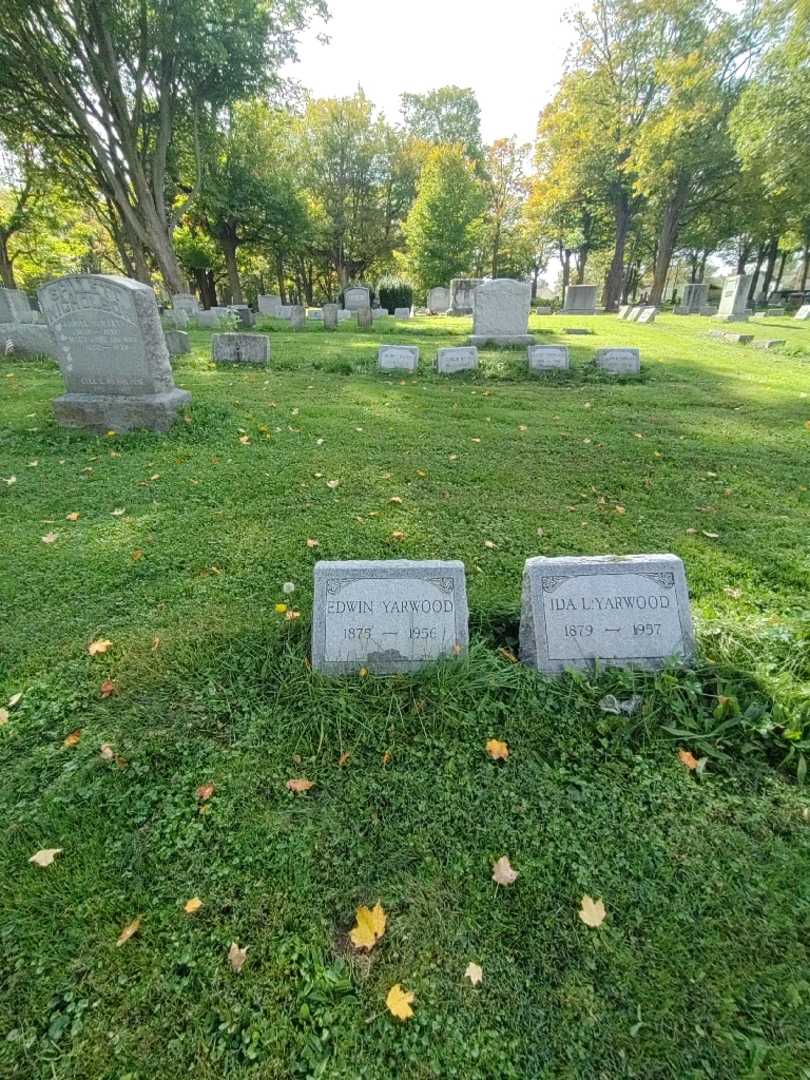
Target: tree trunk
(566, 270)
(496, 243)
(757, 269)
(282, 289)
(614, 284)
(6, 265)
(743, 255)
(228, 243)
(667, 237)
(805, 267)
(780, 271)
(773, 251)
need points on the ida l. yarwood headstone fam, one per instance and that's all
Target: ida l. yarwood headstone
(624, 611)
(501, 313)
(388, 617)
(112, 354)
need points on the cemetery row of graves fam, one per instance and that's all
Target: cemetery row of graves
(347, 706)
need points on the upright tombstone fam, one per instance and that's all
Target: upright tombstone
(634, 313)
(402, 313)
(734, 299)
(177, 342)
(298, 316)
(619, 361)
(186, 302)
(357, 297)
(693, 300)
(398, 357)
(580, 300)
(624, 311)
(26, 339)
(379, 312)
(387, 617)
(15, 307)
(501, 314)
(330, 316)
(240, 349)
(244, 315)
(803, 313)
(365, 320)
(112, 354)
(462, 295)
(647, 315)
(344, 316)
(438, 300)
(268, 304)
(628, 611)
(549, 358)
(175, 319)
(461, 358)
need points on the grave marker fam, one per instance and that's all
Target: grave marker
(298, 316)
(269, 304)
(438, 300)
(501, 313)
(330, 316)
(356, 298)
(462, 295)
(397, 357)
(580, 300)
(177, 342)
(15, 307)
(734, 298)
(693, 300)
(619, 361)
(549, 357)
(803, 313)
(402, 313)
(240, 349)
(462, 358)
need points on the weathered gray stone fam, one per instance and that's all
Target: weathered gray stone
(15, 307)
(544, 309)
(283, 311)
(580, 300)
(501, 313)
(402, 313)
(462, 295)
(186, 302)
(619, 361)
(315, 313)
(387, 617)
(768, 343)
(268, 304)
(379, 312)
(462, 358)
(548, 357)
(628, 611)
(578, 331)
(298, 316)
(634, 313)
(421, 311)
(356, 298)
(734, 298)
(738, 339)
(647, 315)
(330, 316)
(112, 354)
(364, 318)
(210, 319)
(693, 300)
(27, 339)
(177, 342)
(398, 357)
(175, 319)
(624, 311)
(438, 300)
(244, 315)
(344, 316)
(803, 313)
(240, 348)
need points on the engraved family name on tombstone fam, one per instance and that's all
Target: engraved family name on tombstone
(580, 300)
(388, 616)
(462, 295)
(624, 611)
(619, 361)
(461, 358)
(239, 348)
(356, 298)
(501, 313)
(734, 298)
(112, 354)
(548, 357)
(15, 307)
(398, 357)
(438, 300)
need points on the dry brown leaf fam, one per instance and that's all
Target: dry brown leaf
(398, 1002)
(73, 738)
(474, 973)
(46, 856)
(100, 646)
(155, 643)
(386, 758)
(592, 912)
(332, 484)
(204, 792)
(735, 594)
(3, 716)
(489, 544)
(193, 905)
(107, 752)
(137, 554)
(395, 499)
(237, 956)
(711, 535)
(129, 930)
(369, 926)
(344, 757)
(502, 872)
(244, 440)
(300, 786)
(397, 534)
(50, 538)
(507, 654)
(497, 750)
(72, 517)
(107, 688)
(688, 759)
(363, 672)
(291, 615)
(312, 543)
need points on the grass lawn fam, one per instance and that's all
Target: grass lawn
(702, 965)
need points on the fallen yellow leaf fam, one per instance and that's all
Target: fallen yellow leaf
(489, 544)
(107, 688)
(474, 973)
(193, 905)
(344, 757)
(688, 759)
(129, 930)
(502, 872)
(507, 654)
(300, 786)
(14, 699)
(100, 646)
(50, 538)
(497, 750)
(397, 534)
(399, 1002)
(137, 554)
(369, 926)
(592, 912)
(244, 440)
(395, 499)
(312, 543)
(73, 738)
(237, 956)
(3, 716)
(46, 856)
(205, 791)
(72, 517)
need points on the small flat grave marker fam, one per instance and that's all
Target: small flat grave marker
(619, 361)
(462, 358)
(627, 611)
(388, 617)
(397, 357)
(548, 357)
(240, 348)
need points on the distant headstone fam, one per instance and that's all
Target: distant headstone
(647, 315)
(738, 339)
(579, 331)
(175, 319)
(627, 611)
(734, 299)
(356, 298)
(803, 313)
(397, 357)
(768, 343)
(344, 316)
(27, 339)
(462, 358)
(694, 299)
(501, 313)
(364, 318)
(402, 313)
(330, 316)
(580, 300)
(269, 304)
(112, 354)
(186, 302)
(315, 313)
(298, 316)
(438, 300)
(634, 313)
(283, 311)
(624, 311)
(239, 348)
(421, 311)
(462, 295)
(210, 319)
(774, 312)
(390, 617)
(619, 361)
(244, 315)
(548, 357)
(15, 307)
(379, 312)
(544, 309)
(177, 342)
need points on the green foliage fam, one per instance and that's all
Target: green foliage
(394, 292)
(449, 115)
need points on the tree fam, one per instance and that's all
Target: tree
(107, 87)
(506, 189)
(442, 228)
(450, 114)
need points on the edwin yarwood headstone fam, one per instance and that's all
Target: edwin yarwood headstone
(580, 300)
(388, 617)
(619, 361)
(501, 313)
(461, 358)
(624, 611)
(112, 354)
(734, 299)
(548, 357)
(398, 357)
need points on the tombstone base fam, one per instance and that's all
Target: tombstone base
(730, 318)
(496, 340)
(578, 311)
(106, 412)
